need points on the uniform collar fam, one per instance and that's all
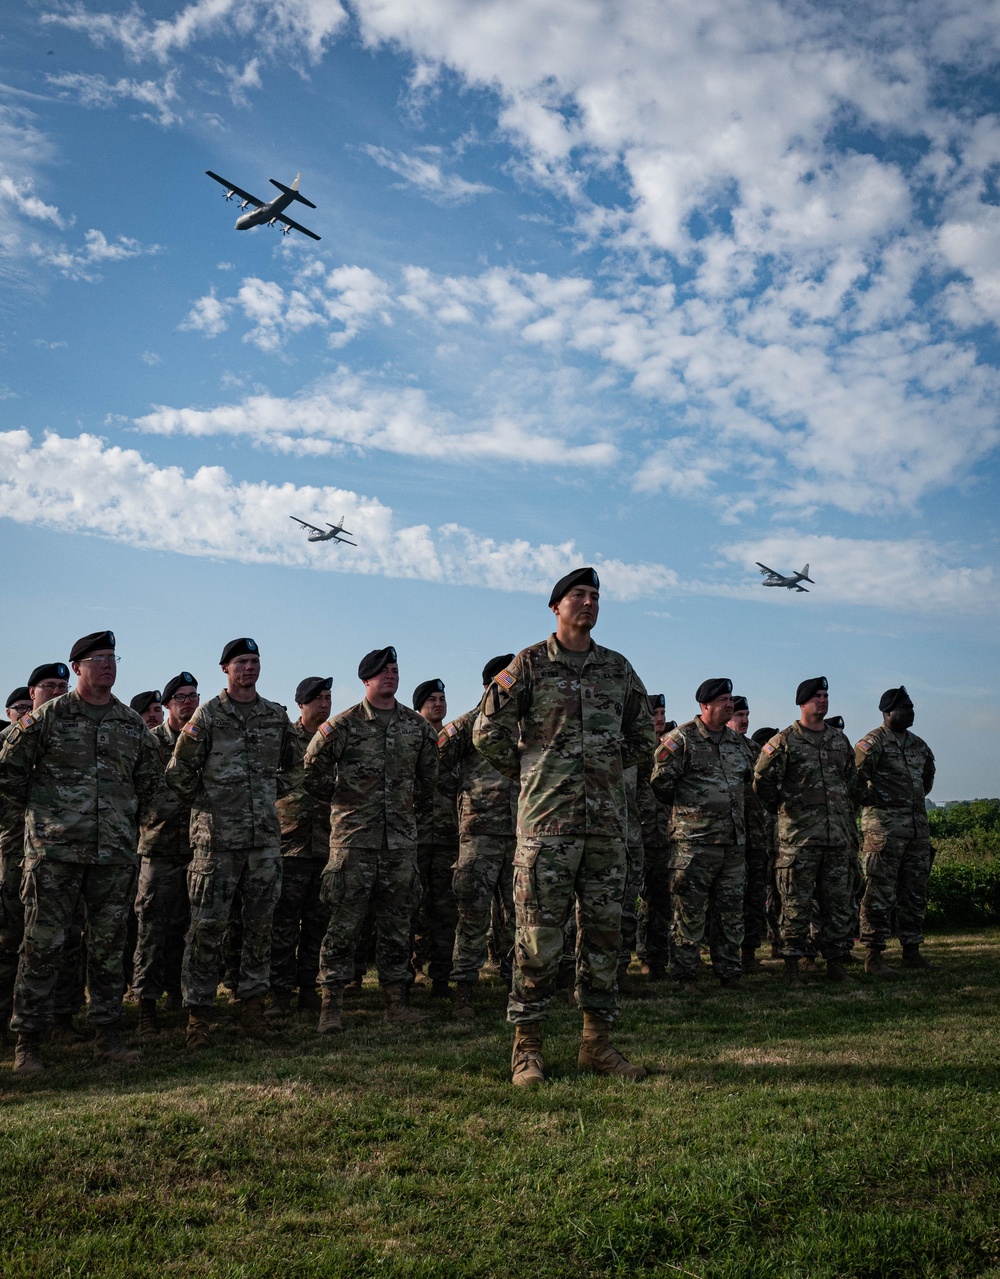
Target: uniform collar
(557, 653)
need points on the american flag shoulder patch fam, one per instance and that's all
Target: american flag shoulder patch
(192, 730)
(672, 744)
(451, 730)
(505, 680)
(864, 744)
(769, 748)
(26, 721)
(326, 728)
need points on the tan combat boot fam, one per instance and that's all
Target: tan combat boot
(526, 1067)
(397, 1009)
(912, 958)
(875, 965)
(27, 1054)
(64, 1031)
(793, 978)
(332, 1010)
(597, 1053)
(461, 1001)
(109, 1046)
(148, 1024)
(281, 1006)
(252, 1023)
(199, 1029)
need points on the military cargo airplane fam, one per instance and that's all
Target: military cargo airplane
(271, 213)
(331, 533)
(771, 578)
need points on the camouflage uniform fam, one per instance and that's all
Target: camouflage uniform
(374, 770)
(567, 731)
(162, 899)
(811, 786)
(300, 918)
(758, 860)
(226, 764)
(633, 869)
(895, 778)
(437, 912)
(704, 778)
(80, 782)
(487, 812)
(655, 911)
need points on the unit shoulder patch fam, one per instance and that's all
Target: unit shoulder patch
(505, 679)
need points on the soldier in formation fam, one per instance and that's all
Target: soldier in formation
(437, 853)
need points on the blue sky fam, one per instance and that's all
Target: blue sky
(665, 287)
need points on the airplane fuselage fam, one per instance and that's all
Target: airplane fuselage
(263, 215)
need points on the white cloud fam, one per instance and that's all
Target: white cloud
(160, 97)
(85, 485)
(19, 196)
(207, 315)
(426, 174)
(349, 412)
(80, 263)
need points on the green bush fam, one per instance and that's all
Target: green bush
(964, 894)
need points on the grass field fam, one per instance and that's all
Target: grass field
(843, 1131)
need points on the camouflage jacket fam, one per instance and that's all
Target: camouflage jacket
(567, 733)
(227, 768)
(894, 782)
(166, 825)
(653, 815)
(81, 783)
(704, 783)
(633, 829)
(305, 822)
(812, 787)
(437, 820)
(373, 774)
(758, 836)
(487, 801)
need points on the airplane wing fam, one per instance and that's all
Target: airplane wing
(764, 569)
(297, 227)
(803, 589)
(304, 524)
(244, 195)
(338, 538)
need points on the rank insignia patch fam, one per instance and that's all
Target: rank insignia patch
(505, 680)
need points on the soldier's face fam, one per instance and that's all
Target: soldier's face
(97, 671)
(739, 722)
(46, 690)
(901, 716)
(714, 714)
(316, 711)
(385, 683)
(579, 607)
(817, 706)
(182, 706)
(435, 708)
(659, 721)
(18, 709)
(152, 716)
(243, 671)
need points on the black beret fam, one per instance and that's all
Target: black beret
(143, 701)
(579, 577)
(377, 660)
(99, 639)
(50, 670)
(763, 735)
(835, 721)
(809, 688)
(669, 726)
(656, 701)
(710, 689)
(237, 648)
(740, 704)
(184, 680)
(310, 688)
(424, 690)
(892, 696)
(495, 665)
(19, 695)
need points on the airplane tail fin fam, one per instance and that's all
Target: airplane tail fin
(805, 575)
(293, 190)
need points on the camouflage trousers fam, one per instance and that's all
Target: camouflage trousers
(707, 884)
(824, 873)
(755, 898)
(653, 924)
(68, 994)
(353, 878)
(896, 875)
(163, 918)
(212, 883)
(485, 867)
(551, 874)
(435, 916)
(51, 893)
(300, 920)
(630, 902)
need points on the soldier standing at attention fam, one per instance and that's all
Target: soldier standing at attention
(149, 707)
(161, 902)
(653, 916)
(895, 773)
(225, 764)
(702, 772)
(487, 812)
(18, 704)
(566, 718)
(300, 918)
(806, 775)
(437, 852)
(375, 761)
(80, 767)
(755, 896)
